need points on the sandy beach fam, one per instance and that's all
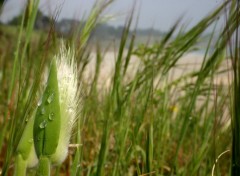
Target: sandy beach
(187, 64)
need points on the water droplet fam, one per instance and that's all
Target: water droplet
(26, 120)
(190, 118)
(70, 110)
(43, 124)
(50, 98)
(39, 102)
(51, 116)
(43, 111)
(30, 140)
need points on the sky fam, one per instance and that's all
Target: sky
(157, 14)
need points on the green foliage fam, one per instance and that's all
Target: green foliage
(151, 120)
(48, 117)
(233, 29)
(26, 141)
(44, 166)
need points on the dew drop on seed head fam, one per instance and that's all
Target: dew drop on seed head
(43, 124)
(43, 111)
(70, 109)
(30, 140)
(26, 120)
(50, 98)
(51, 116)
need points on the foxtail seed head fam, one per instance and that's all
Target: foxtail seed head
(68, 96)
(57, 112)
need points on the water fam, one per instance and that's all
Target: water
(51, 116)
(43, 111)
(43, 124)
(39, 102)
(50, 98)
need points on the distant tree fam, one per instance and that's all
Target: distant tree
(42, 21)
(2, 2)
(16, 20)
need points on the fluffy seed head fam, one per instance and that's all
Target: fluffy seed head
(69, 99)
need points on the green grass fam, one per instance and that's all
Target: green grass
(145, 124)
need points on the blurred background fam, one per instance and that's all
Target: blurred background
(157, 14)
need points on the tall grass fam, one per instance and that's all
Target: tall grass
(152, 120)
(234, 54)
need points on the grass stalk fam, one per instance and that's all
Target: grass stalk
(44, 166)
(20, 166)
(235, 166)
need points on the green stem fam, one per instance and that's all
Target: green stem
(44, 166)
(21, 166)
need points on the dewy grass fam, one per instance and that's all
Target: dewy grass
(56, 113)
